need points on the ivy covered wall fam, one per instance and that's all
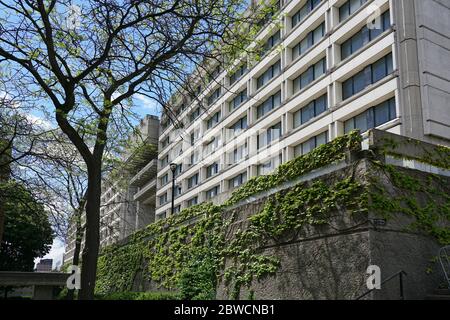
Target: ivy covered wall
(208, 248)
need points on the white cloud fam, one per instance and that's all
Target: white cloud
(148, 104)
(44, 124)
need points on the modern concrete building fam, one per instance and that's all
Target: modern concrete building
(44, 265)
(330, 66)
(128, 198)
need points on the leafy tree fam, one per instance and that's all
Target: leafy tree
(28, 233)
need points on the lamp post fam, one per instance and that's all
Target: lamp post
(173, 168)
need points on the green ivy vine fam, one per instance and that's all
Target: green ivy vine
(193, 251)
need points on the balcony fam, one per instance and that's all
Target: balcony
(145, 192)
(145, 174)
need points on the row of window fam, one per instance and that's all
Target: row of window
(273, 102)
(311, 144)
(311, 74)
(273, 71)
(369, 75)
(371, 118)
(364, 36)
(308, 41)
(347, 9)
(310, 111)
(271, 42)
(270, 135)
(304, 11)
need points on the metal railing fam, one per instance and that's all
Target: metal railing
(400, 275)
(444, 254)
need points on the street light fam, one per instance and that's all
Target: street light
(173, 168)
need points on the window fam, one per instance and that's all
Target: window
(235, 76)
(214, 96)
(373, 117)
(311, 39)
(192, 202)
(195, 136)
(269, 166)
(238, 180)
(301, 14)
(348, 8)
(239, 125)
(213, 145)
(178, 169)
(240, 98)
(165, 142)
(273, 71)
(371, 74)
(212, 170)
(238, 154)
(313, 73)
(194, 114)
(311, 144)
(272, 42)
(194, 158)
(163, 199)
(271, 103)
(177, 209)
(213, 120)
(214, 74)
(161, 215)
(193, 181)
(311, 110)
(165, 161)
(272, 133)
(178, 191)
(165, 179)
(364, 36)
(211, 193)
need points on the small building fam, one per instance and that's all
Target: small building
(44, 265)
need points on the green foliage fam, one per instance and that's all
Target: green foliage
(284, 213)
(323, 155)
(193, 251)
(139, 296)
(27, 232)
(430, 210)
(198, 280)
(187, 251)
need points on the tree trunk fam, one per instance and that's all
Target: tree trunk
(77, 250)
(92, 232)
(4, 177)
(2, 220)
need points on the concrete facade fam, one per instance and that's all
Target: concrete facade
(217, 152)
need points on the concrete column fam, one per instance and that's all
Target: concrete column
(289, 154)
(407, 58)
(330, 96)
(289, 122)
(333, 18)
(253, 171)
(337, 93)
(330, 58)
(43, 293)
